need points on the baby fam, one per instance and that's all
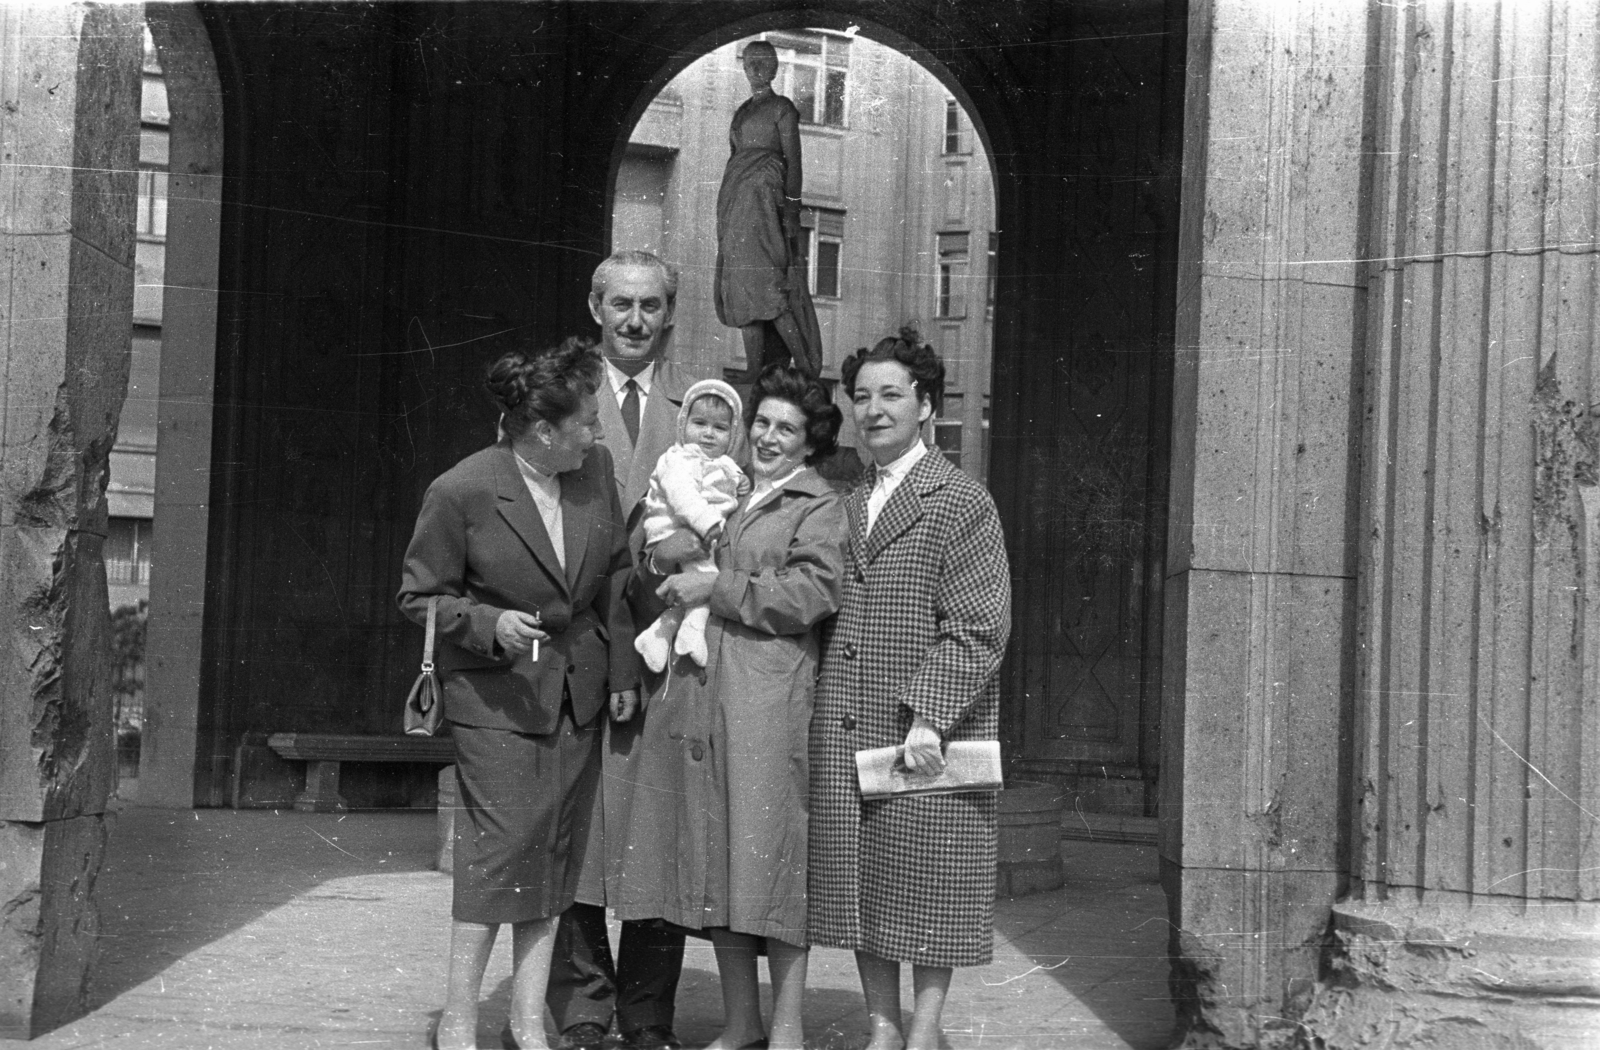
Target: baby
(696, 485)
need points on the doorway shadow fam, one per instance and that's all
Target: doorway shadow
(176, 880)
(1102, 939)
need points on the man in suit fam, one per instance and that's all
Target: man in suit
(631, 298)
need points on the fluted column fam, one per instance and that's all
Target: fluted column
(1478, 843)
(69, 136)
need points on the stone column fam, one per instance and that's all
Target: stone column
(1261, 567)
(69, 127)
(1474, 920)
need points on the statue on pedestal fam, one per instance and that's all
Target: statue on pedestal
(761, 284)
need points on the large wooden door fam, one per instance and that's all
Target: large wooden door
(1082, 394)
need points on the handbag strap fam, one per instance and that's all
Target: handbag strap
(427, 641)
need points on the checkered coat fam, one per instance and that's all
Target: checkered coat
(926, 614)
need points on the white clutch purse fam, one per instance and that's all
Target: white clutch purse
(969, 765)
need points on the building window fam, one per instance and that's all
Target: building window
(947, 428)
(127, 551)
(152, 58)
(824, 247)
(991, 274)
(953, 262)
(814, 72)
(152, 209)
(954, 141)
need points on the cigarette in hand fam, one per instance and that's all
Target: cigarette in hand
(534, 654)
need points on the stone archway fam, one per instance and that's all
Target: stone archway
(412, 215)
(188, 368)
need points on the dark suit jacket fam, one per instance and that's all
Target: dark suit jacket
(481, 544)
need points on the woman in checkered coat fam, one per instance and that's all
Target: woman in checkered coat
(911, 660)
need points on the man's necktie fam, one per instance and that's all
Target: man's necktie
(630, 410)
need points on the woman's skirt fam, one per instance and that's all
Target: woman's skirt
(526, 806)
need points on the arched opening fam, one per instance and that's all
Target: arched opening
(898, 208)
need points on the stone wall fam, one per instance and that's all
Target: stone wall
(1261, 565)
(69, 106)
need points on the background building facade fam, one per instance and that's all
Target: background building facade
(130, 494)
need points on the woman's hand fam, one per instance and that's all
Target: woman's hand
(624, 704)
(517, 631)
(677, 548)
(687, 588)
(924, 751)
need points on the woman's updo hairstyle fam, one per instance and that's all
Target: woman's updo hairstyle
(919, 359)
(543, 384)
(823, 417)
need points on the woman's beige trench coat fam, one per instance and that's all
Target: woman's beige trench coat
(713, 833)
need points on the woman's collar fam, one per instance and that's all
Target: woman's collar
(806, 481)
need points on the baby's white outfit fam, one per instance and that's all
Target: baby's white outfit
(689, 489)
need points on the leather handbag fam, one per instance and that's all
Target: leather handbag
(425, 702)
(969, 765)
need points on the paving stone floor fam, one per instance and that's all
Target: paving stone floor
(255, 929)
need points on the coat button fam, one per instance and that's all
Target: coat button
(850, 650)
(697, 752)
(572, 668)
(861, 577)
(849, 722)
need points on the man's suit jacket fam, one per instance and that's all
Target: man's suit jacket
(481, 544)
(658, 430)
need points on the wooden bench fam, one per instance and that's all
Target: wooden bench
(323, 752)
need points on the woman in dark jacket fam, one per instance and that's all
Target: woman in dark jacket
(910, 662)
(524, 546)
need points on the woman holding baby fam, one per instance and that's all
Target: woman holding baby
(717, 833)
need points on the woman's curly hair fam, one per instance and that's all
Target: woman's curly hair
(543, 384)
(907, 348)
